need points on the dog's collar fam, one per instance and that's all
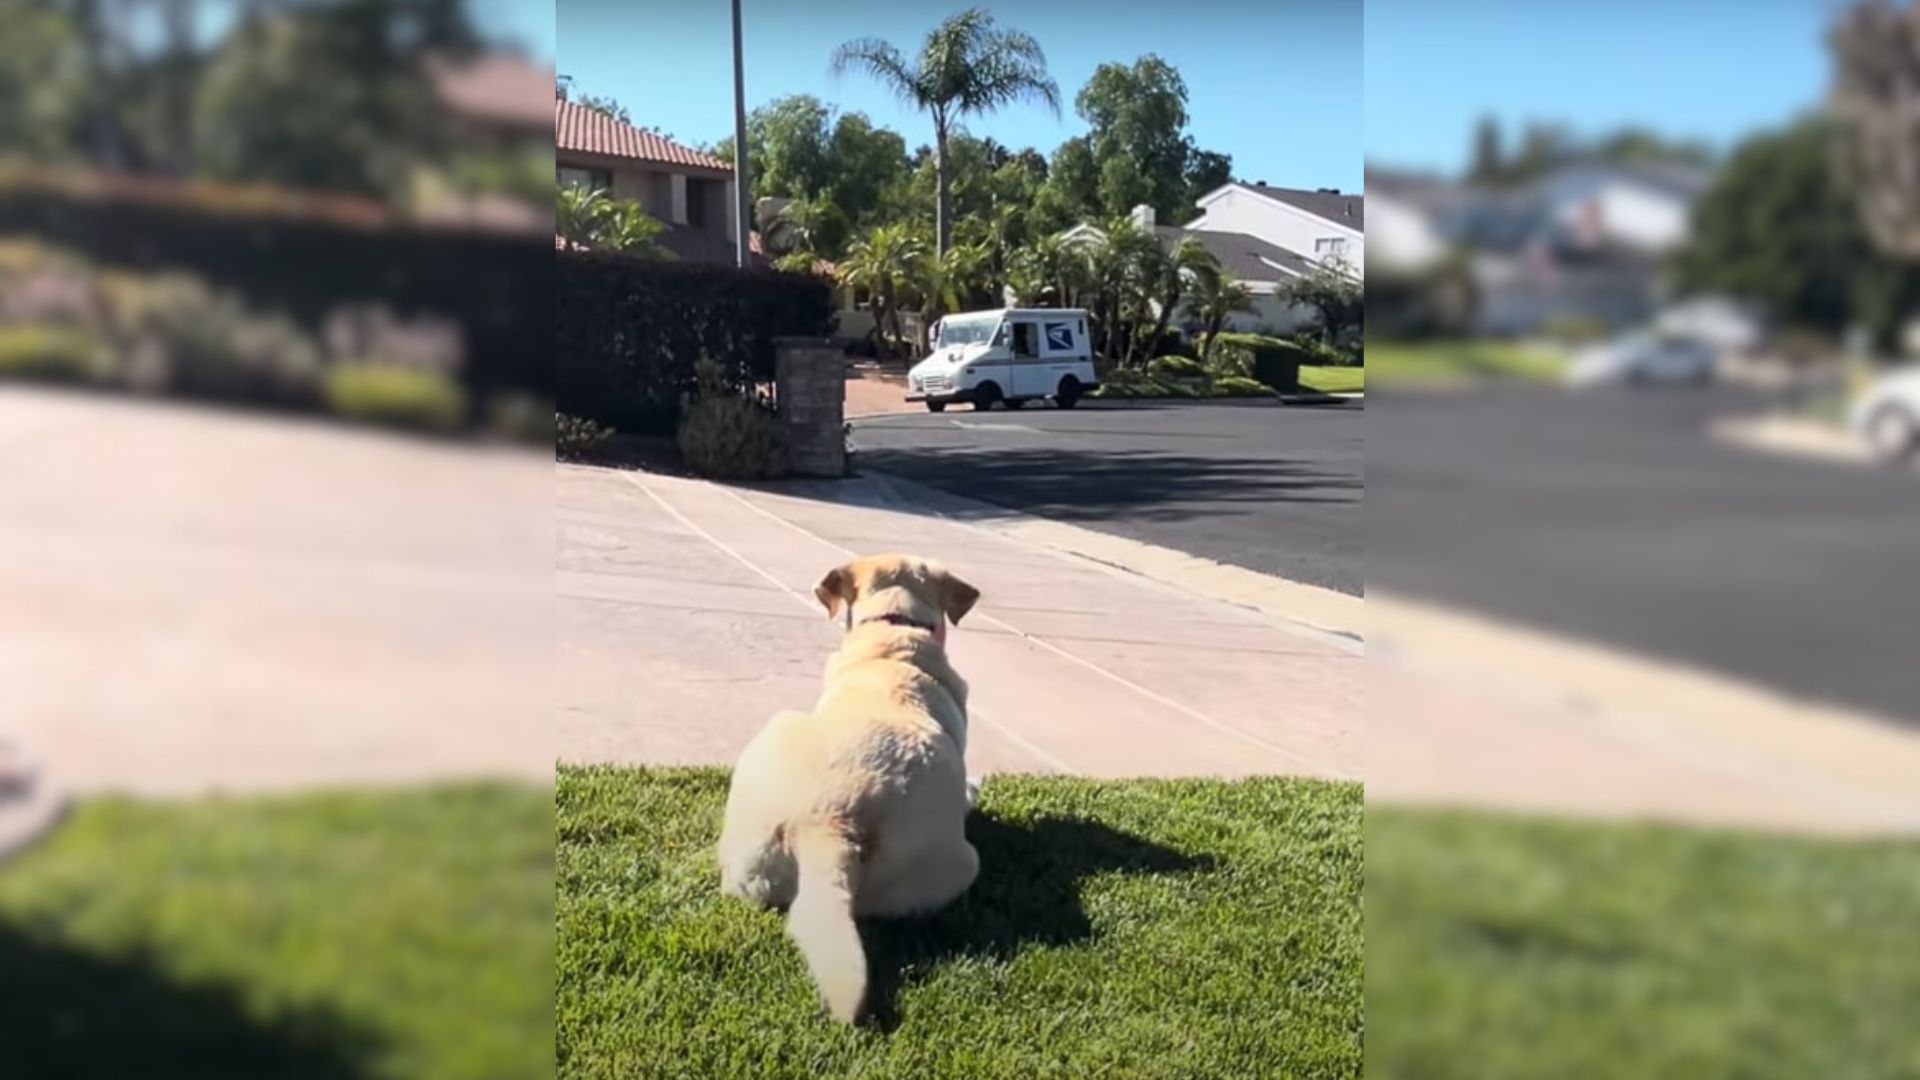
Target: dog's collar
(901, 620)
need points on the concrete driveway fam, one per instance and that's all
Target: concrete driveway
(194, 600)
(688, 617)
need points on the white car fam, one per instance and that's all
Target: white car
(1643, 358)
(1887, 416)
(1010, 356)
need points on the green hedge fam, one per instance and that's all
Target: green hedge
(1269, 360)
(630, 331)
(306, 263)
(51, 353)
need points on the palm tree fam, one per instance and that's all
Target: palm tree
(1118, 268)
(586, 217)
(952, 281)
(966, 67)
(887, 264)
(1217, 295)
(1188, 258)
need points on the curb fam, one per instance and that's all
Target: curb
(1338, 615)
(1790, 436)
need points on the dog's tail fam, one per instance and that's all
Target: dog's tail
(821, 918)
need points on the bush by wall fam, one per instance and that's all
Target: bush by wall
(630, 332)
(305, 257)
(1269, 360)
(52, 353)
(393, 395)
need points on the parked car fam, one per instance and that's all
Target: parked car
(1887, 416)
(1010, 356)
(1728, 326)
(1643, 358)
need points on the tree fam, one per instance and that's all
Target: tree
(1876, 98)
(886, 263)
(1489, 161)
(589, 218)
(1207, 172)
(1136, 119)
(1187, 259)
(954, 281)
(329, 96)
(1334, 292)
(967, 67)
(1217, 297)
(1779, 228)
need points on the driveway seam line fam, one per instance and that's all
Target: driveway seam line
(972, 714)
(1150, 695)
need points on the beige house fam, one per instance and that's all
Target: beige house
(689, 191)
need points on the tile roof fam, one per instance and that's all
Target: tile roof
(1344, 209)
(499, 88)
(589, 131)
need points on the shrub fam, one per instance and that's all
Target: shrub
(390, 394)
(304, 256)
(51, 352)
(522, 418)
(630, 331)
(1270, 360)
(1235, 386)
(1318, 352)
(732, 437)
(1177, 367)
(189, 340)
(575, 437)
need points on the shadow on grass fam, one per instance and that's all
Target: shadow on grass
(68, 1013)
(1027, 895)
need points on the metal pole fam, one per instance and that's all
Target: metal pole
(742, 222)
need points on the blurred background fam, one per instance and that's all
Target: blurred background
(275, 538)
(1644, 726)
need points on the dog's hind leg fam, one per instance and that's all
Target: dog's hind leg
(930, 881)
(761, 871)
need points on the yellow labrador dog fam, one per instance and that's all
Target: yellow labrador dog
(859, 807)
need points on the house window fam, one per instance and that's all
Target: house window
(591, 179)
(1330, 245)
(697, 196)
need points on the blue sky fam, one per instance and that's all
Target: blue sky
(1710, 69)
(1274, 83)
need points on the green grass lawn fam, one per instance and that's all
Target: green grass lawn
(1505, 947)
(392, 934)
(1150, 929)
(1334, 380)
(1458, 363)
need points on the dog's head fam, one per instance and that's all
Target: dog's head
(902, 587)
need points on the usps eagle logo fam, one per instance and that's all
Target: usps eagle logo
(1059, 337)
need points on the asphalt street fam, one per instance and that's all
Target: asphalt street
(1610, 516)
(1272, 488)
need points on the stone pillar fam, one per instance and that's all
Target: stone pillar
(810, 387)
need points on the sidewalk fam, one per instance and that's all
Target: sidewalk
(687, 618)
(195, 601)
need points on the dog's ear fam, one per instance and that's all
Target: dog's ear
(835, 590)
(956, 597)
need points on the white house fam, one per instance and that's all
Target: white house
(1261, 236)
(1320, 225)
(1583, 242)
